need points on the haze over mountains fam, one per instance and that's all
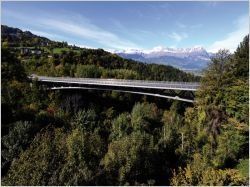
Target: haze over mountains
(193, 59)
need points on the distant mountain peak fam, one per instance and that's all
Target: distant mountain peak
(184, 58)
(162, 49)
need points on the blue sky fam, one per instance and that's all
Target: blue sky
(133, 25)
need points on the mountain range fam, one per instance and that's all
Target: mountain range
(190, 59)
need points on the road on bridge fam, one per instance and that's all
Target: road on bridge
(161, 85)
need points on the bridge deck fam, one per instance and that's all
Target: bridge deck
(162, 85)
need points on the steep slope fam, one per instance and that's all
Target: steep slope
(15, 37)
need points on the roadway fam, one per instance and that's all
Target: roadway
(160, 85)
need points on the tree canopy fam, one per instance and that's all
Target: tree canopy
(107, 138)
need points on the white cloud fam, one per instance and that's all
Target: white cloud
(44, 34)
(181, 25)
(232, 39)
(196, 26)
(83, 46)
(184, 26)
(178, 36)
(85, 29)
(213, 3)
(75, 25)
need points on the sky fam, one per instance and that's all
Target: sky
(133, 25)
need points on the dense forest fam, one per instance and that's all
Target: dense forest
(110, 138)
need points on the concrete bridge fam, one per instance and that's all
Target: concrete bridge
(183, 91)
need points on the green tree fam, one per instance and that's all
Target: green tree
(88, 71)
(130, 160)
(121, 126)
(145, 117)
(82, 163)
(14, 87)
(41, 163)
(240, 65)
(11, 68)
(16, 141)
(231, 145)
(216, 128)
(86, 120)
(198, 173)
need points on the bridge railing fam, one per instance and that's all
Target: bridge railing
(122, 82)
(117, 80)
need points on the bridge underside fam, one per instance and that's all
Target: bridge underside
(181, 95)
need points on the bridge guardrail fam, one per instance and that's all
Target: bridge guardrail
(122, 82)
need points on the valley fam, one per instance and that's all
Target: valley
(92, 94)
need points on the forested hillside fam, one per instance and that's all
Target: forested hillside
(44, 57)
(13, 37)
(108, 138)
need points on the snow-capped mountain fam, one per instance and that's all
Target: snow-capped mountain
(195, 58)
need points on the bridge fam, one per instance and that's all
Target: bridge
(183, 91)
